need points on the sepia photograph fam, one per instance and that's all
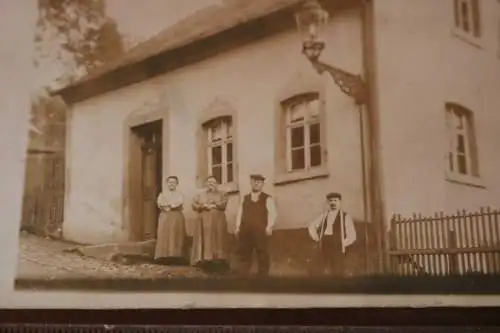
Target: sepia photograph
(263, 146)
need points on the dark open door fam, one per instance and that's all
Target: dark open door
(151, 176)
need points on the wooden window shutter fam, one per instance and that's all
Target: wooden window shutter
(280, 140)
(473, 148)
(456, 11)
(476, 18)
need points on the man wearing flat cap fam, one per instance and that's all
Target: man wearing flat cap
(334, 232)
(254, 223)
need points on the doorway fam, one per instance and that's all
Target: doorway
(146, 179)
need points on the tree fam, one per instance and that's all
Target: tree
(77, 35)
(48, 119)
(72, 38)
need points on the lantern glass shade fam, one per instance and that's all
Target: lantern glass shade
(311, 20)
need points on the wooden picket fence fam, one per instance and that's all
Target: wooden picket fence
(458, 244)
(43, 200)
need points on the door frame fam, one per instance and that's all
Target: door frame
(155, 129)
(131, 200)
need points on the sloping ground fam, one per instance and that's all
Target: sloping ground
(48, 259)
(292, 254)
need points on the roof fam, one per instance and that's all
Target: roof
(202, 23)
(198, 36)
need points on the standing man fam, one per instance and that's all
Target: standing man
(333, 231)
(254, 223)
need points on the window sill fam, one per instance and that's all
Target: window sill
(465, 180)
(468, 38)
(297, 176)
(230, 188)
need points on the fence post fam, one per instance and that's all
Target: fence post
(453, 258)
(391, 266)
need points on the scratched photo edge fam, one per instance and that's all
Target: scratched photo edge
(209, 179)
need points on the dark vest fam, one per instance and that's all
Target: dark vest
(336, 226)
(254, 213)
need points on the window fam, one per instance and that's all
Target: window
(300, 150)
(467, 19)
(220, 149)
(216, 148)
(462, 157)
(303, 133)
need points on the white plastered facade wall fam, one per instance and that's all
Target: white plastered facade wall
(421, 64)
(251, 78)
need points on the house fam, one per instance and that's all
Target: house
(227, 92)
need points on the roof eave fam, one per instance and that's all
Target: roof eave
(192, 52)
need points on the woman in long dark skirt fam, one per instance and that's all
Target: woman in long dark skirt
(210, 241)
(170, 242)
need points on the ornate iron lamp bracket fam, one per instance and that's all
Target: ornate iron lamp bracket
(350, 84)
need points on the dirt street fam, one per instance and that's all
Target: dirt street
(41, 258)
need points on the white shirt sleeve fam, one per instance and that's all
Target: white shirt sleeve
(239, 215)
(271, 213)
(160, 201)
(313, 227)
(350, 230)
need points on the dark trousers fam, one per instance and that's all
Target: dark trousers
(330, 255)
(254, 239)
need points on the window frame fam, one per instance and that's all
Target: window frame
(283, 172)
(208, 129)
(306, 124)
(219, 107)
(454, 111)
(474, 33)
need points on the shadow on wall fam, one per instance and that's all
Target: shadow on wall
(292, 253)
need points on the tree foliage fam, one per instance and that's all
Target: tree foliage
(48, 117)
(72, 38)
(77, 33)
